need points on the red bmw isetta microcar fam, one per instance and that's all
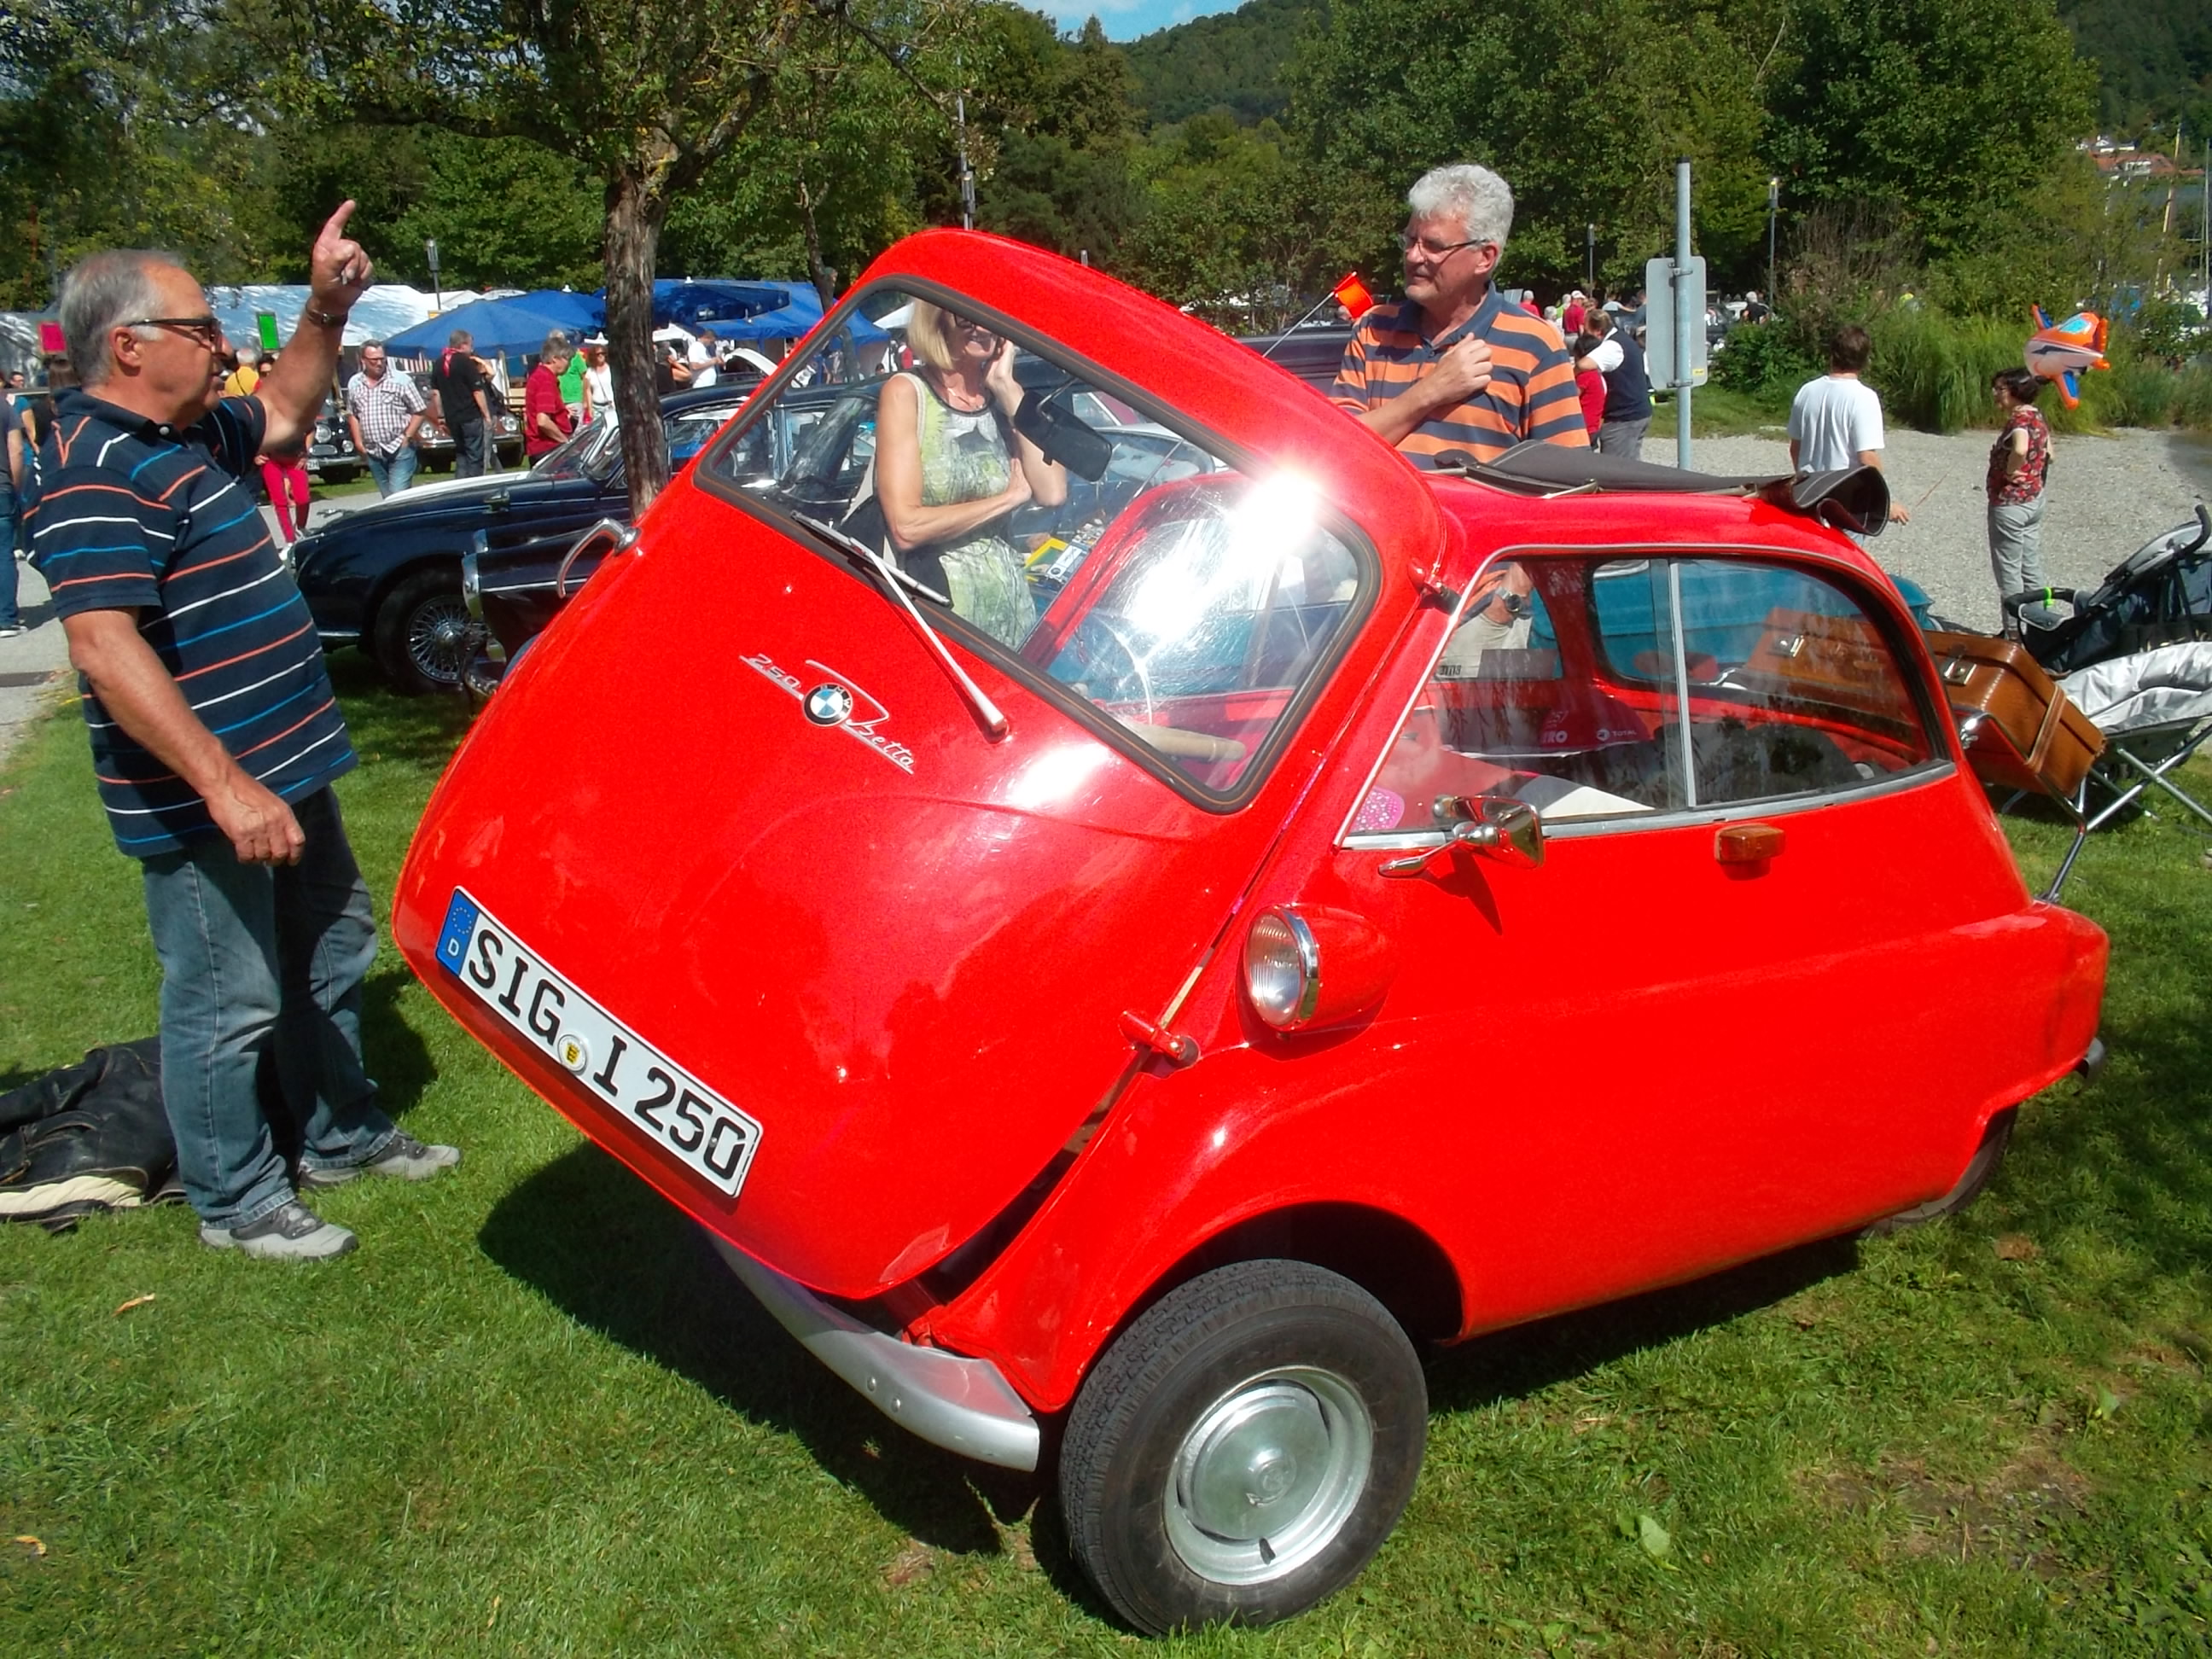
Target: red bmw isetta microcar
(1316, 910)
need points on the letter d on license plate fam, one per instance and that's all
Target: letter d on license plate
(694, 1125)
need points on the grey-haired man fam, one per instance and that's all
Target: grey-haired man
(216, 737)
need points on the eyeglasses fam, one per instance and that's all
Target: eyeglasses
(1438, 250)
(972, 325)
(207, 330)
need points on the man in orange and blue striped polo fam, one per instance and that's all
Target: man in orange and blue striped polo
(1453, 367)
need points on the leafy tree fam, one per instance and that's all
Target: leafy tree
(122, 122)
(1053, 126)
(1240, 226)
(645, 96)
(1948, 115)
(1583, 105)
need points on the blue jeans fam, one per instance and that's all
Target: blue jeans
(394, 473)
(8, 616)
(264, 963)
(469, 444)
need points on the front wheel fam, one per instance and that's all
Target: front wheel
(1243, 1449)
(421, 636)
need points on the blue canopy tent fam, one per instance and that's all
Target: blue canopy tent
(499, 326)
(742, 311)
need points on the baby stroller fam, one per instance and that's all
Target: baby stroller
(2160, 594)
(2155, 710)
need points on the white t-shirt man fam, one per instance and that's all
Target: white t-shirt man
(1834, 421)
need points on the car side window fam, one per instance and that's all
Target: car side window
(1620, 689)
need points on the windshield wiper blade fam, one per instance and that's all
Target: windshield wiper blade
(995, 724)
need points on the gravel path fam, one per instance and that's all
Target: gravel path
(2108, 497)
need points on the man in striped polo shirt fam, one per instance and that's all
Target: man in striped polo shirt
(1454, 366)
(216, 737)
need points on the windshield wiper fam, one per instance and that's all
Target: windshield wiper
(995, 724)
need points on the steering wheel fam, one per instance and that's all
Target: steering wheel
(1088, 635)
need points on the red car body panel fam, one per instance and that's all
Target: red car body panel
(1630, 1066)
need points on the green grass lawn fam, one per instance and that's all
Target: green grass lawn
(532, 1416)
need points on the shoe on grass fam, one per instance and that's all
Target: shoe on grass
(291, 1233)
(405, 1157)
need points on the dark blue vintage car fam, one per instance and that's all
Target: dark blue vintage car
(388, 578)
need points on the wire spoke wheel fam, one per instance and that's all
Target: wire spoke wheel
(437, 635)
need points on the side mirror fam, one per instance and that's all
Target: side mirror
(1502, 827)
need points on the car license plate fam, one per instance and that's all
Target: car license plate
(697, 1127)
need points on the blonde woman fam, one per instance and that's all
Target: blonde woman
(950, 470)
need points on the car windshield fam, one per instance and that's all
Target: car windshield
(1182, 605)
(594, 451)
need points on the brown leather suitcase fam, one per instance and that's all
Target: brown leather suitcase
(1998, 680)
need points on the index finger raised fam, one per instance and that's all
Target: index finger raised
(336, 224)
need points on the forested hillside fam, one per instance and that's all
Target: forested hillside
(1232, 60)
(2154, 56)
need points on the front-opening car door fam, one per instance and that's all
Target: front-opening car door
(876, 845)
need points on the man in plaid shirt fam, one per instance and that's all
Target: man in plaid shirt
(384, 410)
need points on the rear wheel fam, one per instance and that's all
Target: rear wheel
(1242, 1450)
(1979, 1169)
(420, 638)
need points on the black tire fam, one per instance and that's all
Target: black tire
(419, 636)
(1260, 1383)
(1979, 1169)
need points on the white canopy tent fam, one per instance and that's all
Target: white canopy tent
(384, 309)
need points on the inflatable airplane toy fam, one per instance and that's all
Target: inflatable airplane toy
(2064, 352)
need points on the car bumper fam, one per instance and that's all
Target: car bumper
(965, 1406)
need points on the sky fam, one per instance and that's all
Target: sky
(1125, 20)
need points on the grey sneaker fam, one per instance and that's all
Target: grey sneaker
(405, 1157)
(292, 1232)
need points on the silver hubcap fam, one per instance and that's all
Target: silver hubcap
(1268, 1474)
(436, 633)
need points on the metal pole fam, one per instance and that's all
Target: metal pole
(1773, 207)
(967, 172)
(437, 290)
(1589, 259)
(1683, 321)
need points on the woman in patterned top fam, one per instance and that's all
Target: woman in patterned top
(2019, 462)
(950, 470)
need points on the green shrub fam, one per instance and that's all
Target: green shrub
(2192, 399)
(1933, 370)
(2139, 393)
(1763, 362)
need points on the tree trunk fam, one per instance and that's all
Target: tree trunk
(636, 209)
(825, 279)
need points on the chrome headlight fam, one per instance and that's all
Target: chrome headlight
(1282, 969)
(1282, 957)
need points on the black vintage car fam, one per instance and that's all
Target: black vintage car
(388, 577)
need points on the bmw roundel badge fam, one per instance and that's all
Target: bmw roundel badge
(829, 704)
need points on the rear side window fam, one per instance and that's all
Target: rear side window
(1627, 688)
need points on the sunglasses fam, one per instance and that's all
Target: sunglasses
(206, 331)
(970, 325)
(1438, 250)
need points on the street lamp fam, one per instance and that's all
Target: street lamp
(1773, 207)
(1589, 258)
(438, 293)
